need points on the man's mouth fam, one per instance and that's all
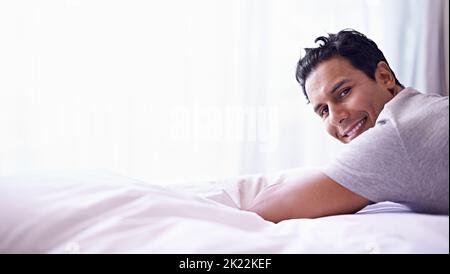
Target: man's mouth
(355, 129)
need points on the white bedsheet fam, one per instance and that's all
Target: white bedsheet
(95, 212)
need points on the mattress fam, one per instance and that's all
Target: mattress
(103, 212)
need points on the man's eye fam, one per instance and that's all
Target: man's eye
(344, 92)
(323, 111)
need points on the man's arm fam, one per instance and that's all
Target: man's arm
(311, 195)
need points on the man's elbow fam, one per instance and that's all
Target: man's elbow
(278, 216)
(266, 214)
(273, 214)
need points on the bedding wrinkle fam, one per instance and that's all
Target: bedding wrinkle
(106, 213)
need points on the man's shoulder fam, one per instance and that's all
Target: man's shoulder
(412, 108)
(418, 120)
(413, 98)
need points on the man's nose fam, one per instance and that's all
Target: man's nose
(338, 115)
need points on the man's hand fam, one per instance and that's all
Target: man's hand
(310, 195)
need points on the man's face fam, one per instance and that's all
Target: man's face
(346, 99)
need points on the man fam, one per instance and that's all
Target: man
(396, 138)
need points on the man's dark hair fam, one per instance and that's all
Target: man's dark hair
(354, 46)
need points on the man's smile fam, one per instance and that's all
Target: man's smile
(355, 129)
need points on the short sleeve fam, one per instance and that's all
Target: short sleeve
(375, 165)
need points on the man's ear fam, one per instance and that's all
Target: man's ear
(384, 75)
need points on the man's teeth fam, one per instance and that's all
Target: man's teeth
(355, 129)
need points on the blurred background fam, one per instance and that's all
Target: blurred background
(175, 90)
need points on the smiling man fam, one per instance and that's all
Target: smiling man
(396, 138)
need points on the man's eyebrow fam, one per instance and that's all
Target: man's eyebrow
(333, 90)
(338, 85)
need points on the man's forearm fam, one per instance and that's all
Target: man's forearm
(311, 195)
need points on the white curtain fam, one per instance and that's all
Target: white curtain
(176, 90)
(414, 37)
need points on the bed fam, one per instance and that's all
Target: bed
(103, 212)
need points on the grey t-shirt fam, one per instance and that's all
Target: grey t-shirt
(404, 157)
